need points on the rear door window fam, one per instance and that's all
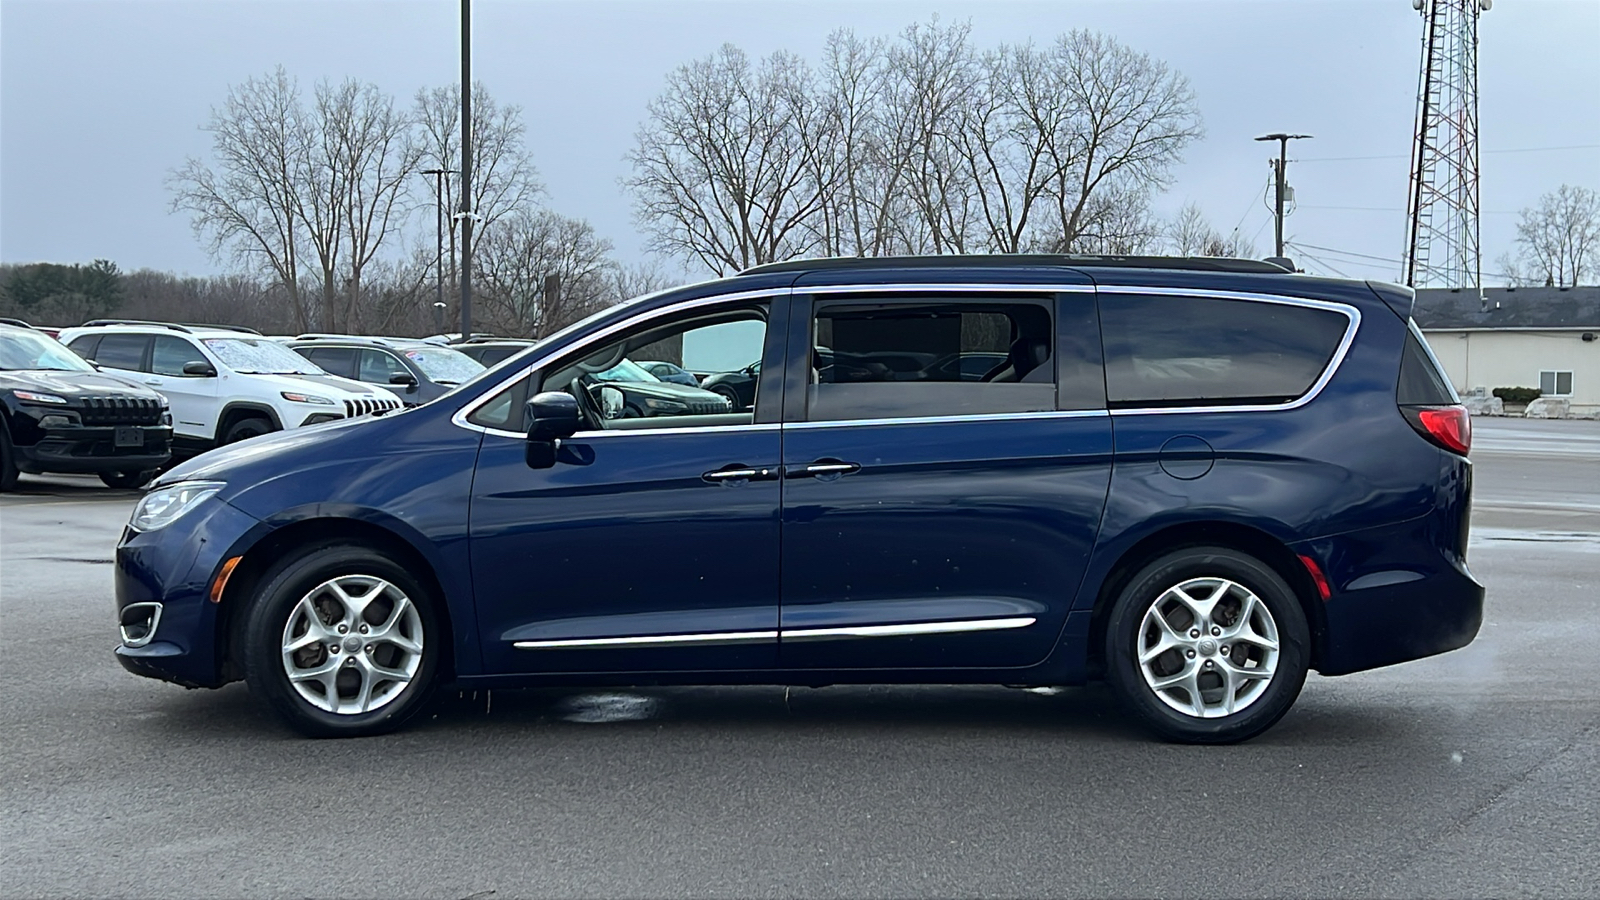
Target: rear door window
(333, 360)
(122, 351)
(925, 356)
(1174, 351)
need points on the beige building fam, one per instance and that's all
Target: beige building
(1545, 337)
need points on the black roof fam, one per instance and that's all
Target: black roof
(1021, 260)
(1524, 307)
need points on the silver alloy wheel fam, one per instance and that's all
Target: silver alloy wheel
(352, 644)
(1208, 647)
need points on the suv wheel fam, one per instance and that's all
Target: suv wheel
(244, 429)
(342, 642)
(1208, 646)
(127, 479)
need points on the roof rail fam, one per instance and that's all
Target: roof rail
(239, 328)
(7, 320)
(1001, 260)
(479, 337)
(96, 322)
(353, 338)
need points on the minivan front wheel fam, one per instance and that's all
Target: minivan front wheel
(342, 642)
(1208, 645)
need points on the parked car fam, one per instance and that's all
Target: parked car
(491, 351)
(57, 414)
(415, 370)
(623, 389)
(738, 387)
(672, 373)
(224, 384)
(1287, 491)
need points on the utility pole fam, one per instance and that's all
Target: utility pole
(466, 215)
(1280, 171)
(438, 245)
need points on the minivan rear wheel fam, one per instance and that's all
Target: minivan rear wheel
(1207, 645)
(341, 641)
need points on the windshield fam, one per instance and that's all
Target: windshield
(443, 365)
(31, 350)
(626, 370)
(259, 356)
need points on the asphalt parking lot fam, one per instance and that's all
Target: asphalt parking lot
(1469, 774)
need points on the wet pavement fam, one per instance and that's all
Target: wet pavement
(1469, 774)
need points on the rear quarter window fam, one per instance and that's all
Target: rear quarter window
(1170, 351)
(1421, 383)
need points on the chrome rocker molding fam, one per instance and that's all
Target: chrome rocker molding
(790, 634)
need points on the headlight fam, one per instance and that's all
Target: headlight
(306, 398)
(31, 397)
(163, 506)
(667, 405)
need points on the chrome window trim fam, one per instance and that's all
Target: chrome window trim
(937, 420)
(1349, 312)
(912, 628)
(681, 640)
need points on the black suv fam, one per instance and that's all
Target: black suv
(57, 414)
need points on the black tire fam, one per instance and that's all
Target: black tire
(126, 480)
(245, 429)
(276, 610)
(8, 460)
(1128, 630)
(729, 394)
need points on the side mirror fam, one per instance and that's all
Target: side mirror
(552, 415)
(405, 378)
(201, 368)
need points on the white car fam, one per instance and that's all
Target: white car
(223, 384)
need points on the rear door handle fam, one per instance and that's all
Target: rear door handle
(736, 473)
(825, 468)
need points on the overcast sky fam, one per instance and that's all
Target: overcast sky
(99, 100)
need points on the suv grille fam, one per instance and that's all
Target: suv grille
(120, 411)
(353, 408)
(709, 407)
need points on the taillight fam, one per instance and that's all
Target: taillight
(1449, 427)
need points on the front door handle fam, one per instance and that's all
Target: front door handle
(736, 474)
(825, 468)
(152, 381)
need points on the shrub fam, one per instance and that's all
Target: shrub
(1517, 394)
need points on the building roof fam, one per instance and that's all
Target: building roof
(1524, 307)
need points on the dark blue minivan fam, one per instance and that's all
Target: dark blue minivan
(1196, 478)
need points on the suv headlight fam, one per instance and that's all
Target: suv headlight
(292, 397)
(163, 506)
(31, 397)
(665, 405)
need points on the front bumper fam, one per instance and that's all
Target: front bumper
(1398, 593)
(174, 567)
(93, 449)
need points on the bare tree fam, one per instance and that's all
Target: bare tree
(1558, 240)
(292, 187)
(504, 179)
(247, 207)
(542, 271)
(1189, 234)
(719, 172)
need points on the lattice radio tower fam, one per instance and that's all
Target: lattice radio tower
(1442, 247)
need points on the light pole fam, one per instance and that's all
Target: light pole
(466, 216)
(438, 245)
(1279, 167)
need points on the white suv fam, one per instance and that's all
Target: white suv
(224, 384)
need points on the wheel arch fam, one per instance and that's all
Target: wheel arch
(232, 413)
(1232, 535)
(278, 543)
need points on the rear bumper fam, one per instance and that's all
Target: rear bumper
(94, 449)
(1398, 593)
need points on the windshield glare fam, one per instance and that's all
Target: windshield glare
(626, 370)
(259, 356)
(443, 365)
(21, 350)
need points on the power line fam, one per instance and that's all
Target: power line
(1407, 156)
